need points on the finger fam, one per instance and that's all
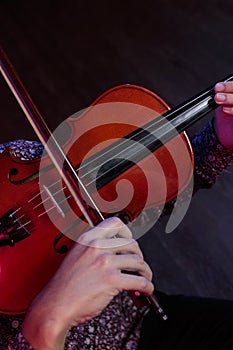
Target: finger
(224, 93)
(117, 227)
(224, 98)
(134, 263)
(134, 282)
(117, 245)
(108, 228)
(224, 87)
(132, 248)
(127, 264)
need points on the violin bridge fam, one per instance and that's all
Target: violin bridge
(56, 205)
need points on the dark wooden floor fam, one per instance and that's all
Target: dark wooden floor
(68, 52)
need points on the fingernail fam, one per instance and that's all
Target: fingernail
(220, 97)
(220, 86)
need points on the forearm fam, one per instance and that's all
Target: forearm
(45, 325)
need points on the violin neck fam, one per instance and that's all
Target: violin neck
(178, 119)
(181, 117)
(186, 114)
(189, 112)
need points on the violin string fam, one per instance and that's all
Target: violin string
(81, 176)
(14, 212)
(88, 184)
(40, 203)
(46, 199)
(51, 185)
(60, 190)
(161, 118)
(33, 216)
(40, 192)
(36, 206)
(168, 128)
(53, 207)
(35, 196)
(132, 146)
(121, 144)
(158, 120)
(19, 218)
(23, 225)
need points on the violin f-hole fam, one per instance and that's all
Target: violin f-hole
(13, 172)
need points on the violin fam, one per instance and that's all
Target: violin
(126, 153)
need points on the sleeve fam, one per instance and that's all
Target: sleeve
(11, 336)
(211, 158)
(24, 149)
(21, 343)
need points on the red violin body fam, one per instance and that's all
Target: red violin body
(35, 245)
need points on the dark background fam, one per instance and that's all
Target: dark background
(69, 52)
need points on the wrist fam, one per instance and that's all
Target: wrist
(44, 332)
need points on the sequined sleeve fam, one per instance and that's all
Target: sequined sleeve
(24, 149)
(11, 337)
(21, 343)
(117, 327)
(211, 157)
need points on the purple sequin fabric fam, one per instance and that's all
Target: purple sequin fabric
(118, 326)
